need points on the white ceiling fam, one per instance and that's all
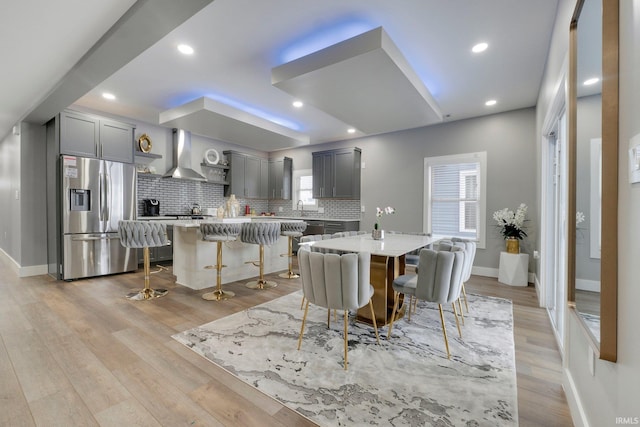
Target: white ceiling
(238, 42)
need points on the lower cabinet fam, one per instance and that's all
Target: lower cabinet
(331, 227)
(159, 254)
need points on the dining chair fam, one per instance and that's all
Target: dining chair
(437, 281)
(339, 282)
(469, 248)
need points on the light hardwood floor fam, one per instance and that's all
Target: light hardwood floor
(80, 354)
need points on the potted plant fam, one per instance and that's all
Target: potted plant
(511, 226)
(378, 232)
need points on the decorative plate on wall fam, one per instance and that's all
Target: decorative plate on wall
(144, 142)
(211, 157)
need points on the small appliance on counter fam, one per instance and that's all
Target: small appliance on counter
(151, 207)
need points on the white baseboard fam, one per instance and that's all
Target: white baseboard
(32, 270)
(576, 409)
(493, 272)
(588, 285)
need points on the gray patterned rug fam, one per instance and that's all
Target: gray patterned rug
(406, 381)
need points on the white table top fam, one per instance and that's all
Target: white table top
(393, 245)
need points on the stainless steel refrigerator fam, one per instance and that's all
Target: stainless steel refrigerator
(96, 194)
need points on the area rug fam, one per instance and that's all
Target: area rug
(405, 381)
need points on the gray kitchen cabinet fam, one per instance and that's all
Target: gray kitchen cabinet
(331, 227)
(336, 174)
(248, 176)
(160, 253)
(280, 178)
(86, 135)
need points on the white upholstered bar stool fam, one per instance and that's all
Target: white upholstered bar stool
(260, 233)
(291, 230)
(144, 235)
(219, 233)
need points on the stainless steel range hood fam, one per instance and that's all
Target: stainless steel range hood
(182, 157)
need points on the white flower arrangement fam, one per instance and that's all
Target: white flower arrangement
(579, 217)
(511, 223)
(379, 212)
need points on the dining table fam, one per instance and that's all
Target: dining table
(387, 263)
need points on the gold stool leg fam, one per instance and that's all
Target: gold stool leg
(218, 294)
(290, 274)
(147, 292)
(261, 283)
(464, 294)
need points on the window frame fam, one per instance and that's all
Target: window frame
(477, 157)
(297, 174)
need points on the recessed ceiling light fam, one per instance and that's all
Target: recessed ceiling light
(480, 47)
(591, 81)
(297, 104)
(185, 48)
(108, 96)
(351, 130)
(490, 102)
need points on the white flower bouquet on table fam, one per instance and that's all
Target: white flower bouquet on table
(511, 223)
(379, 212)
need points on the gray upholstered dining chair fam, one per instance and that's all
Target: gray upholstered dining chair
(144, 234)
(339, 282)
(469, 248)
(438, 281)
(469, 256)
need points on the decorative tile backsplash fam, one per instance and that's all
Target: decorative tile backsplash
(177, 196)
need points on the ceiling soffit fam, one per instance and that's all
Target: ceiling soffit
(364, 81)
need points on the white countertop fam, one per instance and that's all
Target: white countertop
(392, 245)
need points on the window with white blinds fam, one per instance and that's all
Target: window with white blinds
(303, 190)
(455, 196)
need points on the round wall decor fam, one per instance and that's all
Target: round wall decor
(144, 142)
(211, 157)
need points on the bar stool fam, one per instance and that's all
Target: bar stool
(260, 233)
(145, 235)
(219, 232)
(291, 230)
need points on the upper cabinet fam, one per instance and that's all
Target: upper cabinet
(280, 176)
(248, 176)
(336, 174)
(92, 136)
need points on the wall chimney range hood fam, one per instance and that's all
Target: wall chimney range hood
(182, 157)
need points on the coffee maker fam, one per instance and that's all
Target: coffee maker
(151, 207)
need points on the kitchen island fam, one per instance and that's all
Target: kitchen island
(191, 254)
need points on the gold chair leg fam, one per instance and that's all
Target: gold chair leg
(396, 298)
(289, 274)
(375, 324)
(444, 331)
(304, 320)
(218, 294)
(455, 312)
(302, 303)
(261, 283)
(146, 293)
(346, 340)
(461, 313)
(464, 294)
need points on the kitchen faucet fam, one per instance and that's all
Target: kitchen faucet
(300, 207)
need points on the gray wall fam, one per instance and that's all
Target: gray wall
(393, 171)
(9, 206)
(22, 196)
